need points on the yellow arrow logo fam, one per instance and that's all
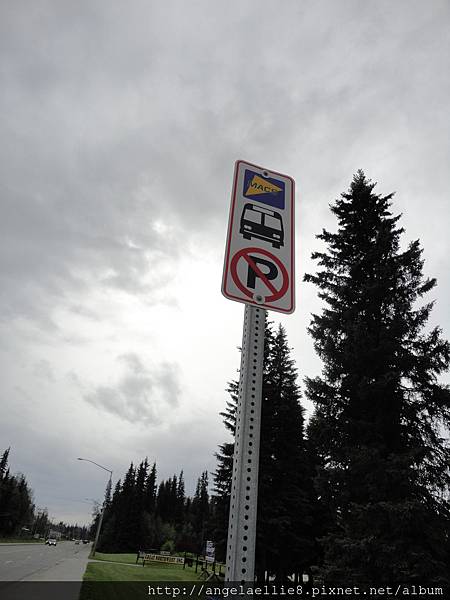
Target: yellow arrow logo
(258, 185)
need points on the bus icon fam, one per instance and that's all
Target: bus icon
(262, 223)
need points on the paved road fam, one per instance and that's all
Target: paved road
(37, 562)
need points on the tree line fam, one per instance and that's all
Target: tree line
(16, 500)
(140, 514)
(19, 517)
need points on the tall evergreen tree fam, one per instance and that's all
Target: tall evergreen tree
(24, 507)
(124, 536)
(41, 522)
(135, 519)
(223, 476)
(200, 510)
(130, 522)
(16, 500)
(150, 491)
(180, 495)
(285, 495)
(4, 463)
(173, 494)
(166, 501)
(108, 541)
(380, 413)
(108, 492)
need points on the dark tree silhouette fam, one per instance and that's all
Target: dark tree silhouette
(380, 413)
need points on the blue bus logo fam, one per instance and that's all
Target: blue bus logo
(264, 189)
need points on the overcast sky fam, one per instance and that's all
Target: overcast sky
(120, 123)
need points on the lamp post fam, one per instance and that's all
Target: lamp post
(100, 521)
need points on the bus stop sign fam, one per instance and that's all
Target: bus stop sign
(259, 255)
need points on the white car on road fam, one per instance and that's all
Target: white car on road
(51, 542)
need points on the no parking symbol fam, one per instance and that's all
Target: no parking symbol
(261, 279)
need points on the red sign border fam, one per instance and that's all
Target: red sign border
(264, 252)
(227, 248)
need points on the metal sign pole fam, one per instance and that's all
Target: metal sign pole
(244, 490)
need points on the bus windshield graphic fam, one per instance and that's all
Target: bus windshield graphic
(262, 223)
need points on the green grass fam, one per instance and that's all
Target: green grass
(108, 581)
(117, 577)
(151, 572)
(129, 559)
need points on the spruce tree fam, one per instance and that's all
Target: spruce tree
(180, 497)
(380, 413)
(173, 494)
(16, 500)
(108, 491)
(167, 500)
(125, 507)
(4, 463)
(285, 534)
(285, 494)
(150, 491)
(108, 534)
(162, 501)
(200, 510)
(130, 522)
(222, 476)
(135, 518)
(41, 522)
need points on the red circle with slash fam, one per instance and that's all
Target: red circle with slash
(245, 254)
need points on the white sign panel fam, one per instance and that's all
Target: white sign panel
(259, 255)
(179, 560)
(210, 551)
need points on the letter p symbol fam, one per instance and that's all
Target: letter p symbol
(270, 273)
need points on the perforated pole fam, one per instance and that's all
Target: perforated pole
(244, 490)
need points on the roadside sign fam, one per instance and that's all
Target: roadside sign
(210, 552)
(178, 560)
(259, 255)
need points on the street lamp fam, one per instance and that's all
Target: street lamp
(100, 521)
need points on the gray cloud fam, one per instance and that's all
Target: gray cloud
(115, 121)
(43, 370)
(119, 129)
(141, 394)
